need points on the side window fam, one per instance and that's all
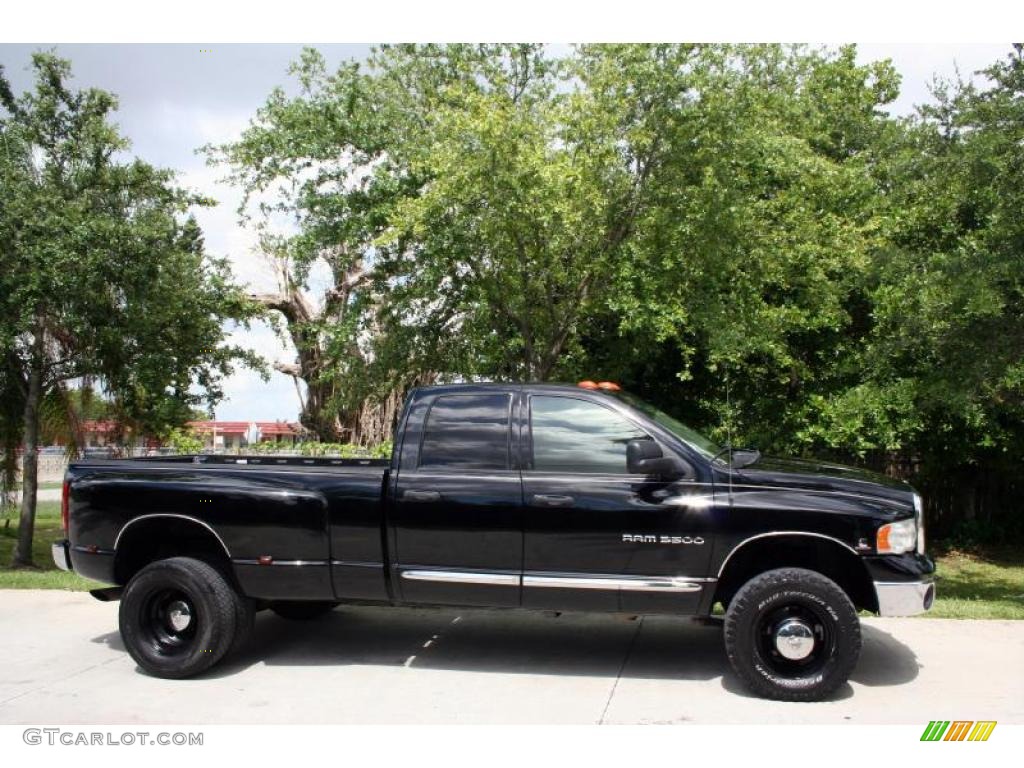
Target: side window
(467, 432)
(571, 435)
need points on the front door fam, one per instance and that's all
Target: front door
(595, 536)
(457, 511)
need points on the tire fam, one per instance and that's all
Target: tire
(178, 617)
(245, 621)
(824, 630)
(303, 610)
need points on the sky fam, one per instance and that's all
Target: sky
(176, 98)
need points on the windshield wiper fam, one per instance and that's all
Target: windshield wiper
(748, 456)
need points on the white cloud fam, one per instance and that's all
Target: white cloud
(248, 397)
(919, 63)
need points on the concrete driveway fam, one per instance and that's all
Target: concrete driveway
(64, 663)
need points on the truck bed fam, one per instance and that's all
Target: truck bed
(298, 515)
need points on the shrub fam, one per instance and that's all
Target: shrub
(183, 441)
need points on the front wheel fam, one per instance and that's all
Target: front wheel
(792, 634)
(178, 617)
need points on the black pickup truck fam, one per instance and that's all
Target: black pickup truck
(535, 496)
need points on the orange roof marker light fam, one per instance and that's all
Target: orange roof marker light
(588, 384)
(609, 386)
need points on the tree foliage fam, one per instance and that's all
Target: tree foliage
(103, 275)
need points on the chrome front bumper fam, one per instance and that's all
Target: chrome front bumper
(904, 598)
(61, 554)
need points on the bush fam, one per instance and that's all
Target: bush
(183, 441)
(347, 450)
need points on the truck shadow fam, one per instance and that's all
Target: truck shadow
(524, 642)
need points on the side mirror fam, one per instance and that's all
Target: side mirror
(645, 457)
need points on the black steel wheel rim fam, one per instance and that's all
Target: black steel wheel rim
(814, 617)
(169, 622)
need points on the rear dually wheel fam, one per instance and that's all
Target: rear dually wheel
(178, 617)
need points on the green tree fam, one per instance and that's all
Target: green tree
(469, 203)
(941, 373)
(538, 171)
(749, 262)
(103, 274)
(326, 159)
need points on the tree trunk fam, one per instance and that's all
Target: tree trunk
(30, 471)
(373, 422)
(315, 415)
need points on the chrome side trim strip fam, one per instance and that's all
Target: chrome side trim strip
(356, 564)
(645, 584)
(280, 562)
(180, 517)
(464, 577)
(630, 584)
(781, 533)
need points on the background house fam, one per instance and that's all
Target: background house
(235, 435)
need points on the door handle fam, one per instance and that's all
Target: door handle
(546, 500)
(421, 496)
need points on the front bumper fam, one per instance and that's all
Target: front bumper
(61, 551)
(904, 598)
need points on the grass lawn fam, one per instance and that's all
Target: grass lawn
(979, 584)
(986, 583)
(49, 576)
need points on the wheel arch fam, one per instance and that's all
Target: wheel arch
(148, 538)
(816, 552)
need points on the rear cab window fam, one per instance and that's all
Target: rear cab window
(467, 432)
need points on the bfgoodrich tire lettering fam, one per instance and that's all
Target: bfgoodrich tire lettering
(178, 617)
(808, 599)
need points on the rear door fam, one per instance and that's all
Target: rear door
(456, 513)
(597, 537)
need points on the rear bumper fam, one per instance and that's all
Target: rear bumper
(904, 598)
(61, 551)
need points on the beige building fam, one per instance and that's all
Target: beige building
(236, 435)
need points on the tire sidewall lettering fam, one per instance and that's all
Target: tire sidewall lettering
(789, 594)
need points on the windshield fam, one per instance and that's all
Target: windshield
(690, 436)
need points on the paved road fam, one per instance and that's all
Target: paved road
(64, 663)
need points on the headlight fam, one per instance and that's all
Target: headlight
(896, 538)
(919, 519)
